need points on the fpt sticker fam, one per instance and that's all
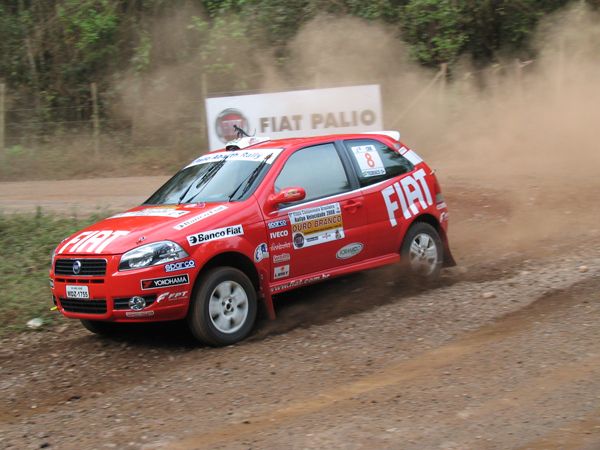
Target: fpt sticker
(316, 225)
(91, 241)
(199, 217)
(261, 252)
(412, 192)
(213, 235)
(368, 160)
(172, 296)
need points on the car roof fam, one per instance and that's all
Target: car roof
(296, 142)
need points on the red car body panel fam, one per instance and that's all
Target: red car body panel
(369, 224)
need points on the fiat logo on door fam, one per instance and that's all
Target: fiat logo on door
(225, 122)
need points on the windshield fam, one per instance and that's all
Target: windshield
(216, 177)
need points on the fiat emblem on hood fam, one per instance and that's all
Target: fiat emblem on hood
(76, 267)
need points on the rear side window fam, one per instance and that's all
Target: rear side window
(317, 169)
(374, 161)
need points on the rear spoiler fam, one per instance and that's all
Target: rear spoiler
(395, 135)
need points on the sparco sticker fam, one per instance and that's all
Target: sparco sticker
(181, 265)
(213, 235)
(199, 217)
(277, 224)
(317, 225)
(91, 241)
(349, 251)
(166, 281)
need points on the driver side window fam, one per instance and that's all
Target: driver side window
(317, 169)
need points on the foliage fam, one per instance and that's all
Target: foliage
(25, 246)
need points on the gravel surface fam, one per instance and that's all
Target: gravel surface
(502, 354)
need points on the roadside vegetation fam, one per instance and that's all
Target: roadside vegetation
(26, 242)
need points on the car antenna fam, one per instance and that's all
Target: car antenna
(240, 132)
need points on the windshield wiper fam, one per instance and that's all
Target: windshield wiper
(250, 178)
(205, 178)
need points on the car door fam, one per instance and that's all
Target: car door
(379, 169)
(326, 229)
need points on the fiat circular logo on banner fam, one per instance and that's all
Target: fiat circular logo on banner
(225, 122)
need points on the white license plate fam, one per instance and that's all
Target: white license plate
(77, 292)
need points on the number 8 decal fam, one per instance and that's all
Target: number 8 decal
(369, 159)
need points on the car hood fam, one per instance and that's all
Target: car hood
(145, 224)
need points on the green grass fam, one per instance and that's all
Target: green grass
(26, 242)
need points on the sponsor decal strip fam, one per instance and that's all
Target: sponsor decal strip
(257, 155)
(91, 241)
(165, 282)
(411, 191)
(181, 265)
(153, 212)
(317, 225)
(281, 272)
(297, 283)
(213, 235)
(199, 217)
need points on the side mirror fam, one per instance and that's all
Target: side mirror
(287, 195)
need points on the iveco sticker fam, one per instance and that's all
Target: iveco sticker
(213, 235)
(181, 265)
(199, 217)
(261, 252)
(279, 234)
(349, 251)
(166, 281)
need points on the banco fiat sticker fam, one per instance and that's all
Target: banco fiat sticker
(313, 226)
(213, 235)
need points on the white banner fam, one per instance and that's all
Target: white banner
(311, 112)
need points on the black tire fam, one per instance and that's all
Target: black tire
(233, 314)
(419, 263)
(99, 327)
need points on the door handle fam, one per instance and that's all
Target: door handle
(352, 205)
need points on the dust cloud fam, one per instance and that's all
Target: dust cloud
(519, 137)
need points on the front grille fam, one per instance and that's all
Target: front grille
(90, 267)
(80, 280)
(96, 306)
(123, 303)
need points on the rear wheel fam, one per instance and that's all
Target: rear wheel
(422, 252)
(98, 327)
(223, 310)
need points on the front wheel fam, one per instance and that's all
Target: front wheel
(224, 306)
(422, 252)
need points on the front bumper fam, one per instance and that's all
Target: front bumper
(110, 292)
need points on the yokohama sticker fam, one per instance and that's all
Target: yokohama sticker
(213, 235)
(317, 225)
(165, 282)
(199, 217)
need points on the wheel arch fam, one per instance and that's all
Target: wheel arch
(432, 220)
(233, 259)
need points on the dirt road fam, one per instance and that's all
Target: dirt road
(504, 353)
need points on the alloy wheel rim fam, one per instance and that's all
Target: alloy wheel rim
(423, 254)
(228, 307)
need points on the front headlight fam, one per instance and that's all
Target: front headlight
(151, 255)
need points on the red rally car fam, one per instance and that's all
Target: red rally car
(255, 219)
